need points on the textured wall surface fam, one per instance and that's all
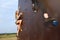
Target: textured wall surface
(34, 25)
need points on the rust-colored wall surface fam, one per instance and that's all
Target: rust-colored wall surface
(34, 25)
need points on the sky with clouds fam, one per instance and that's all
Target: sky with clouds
(7, 16)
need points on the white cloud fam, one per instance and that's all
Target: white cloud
(8, 3)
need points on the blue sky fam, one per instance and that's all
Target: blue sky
(7, 16)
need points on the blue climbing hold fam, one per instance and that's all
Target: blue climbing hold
(55, 22)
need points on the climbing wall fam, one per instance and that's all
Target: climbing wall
(35, 26)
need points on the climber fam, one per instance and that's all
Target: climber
(18, 17)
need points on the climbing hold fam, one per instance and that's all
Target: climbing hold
(46, 15)
(55, 22)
